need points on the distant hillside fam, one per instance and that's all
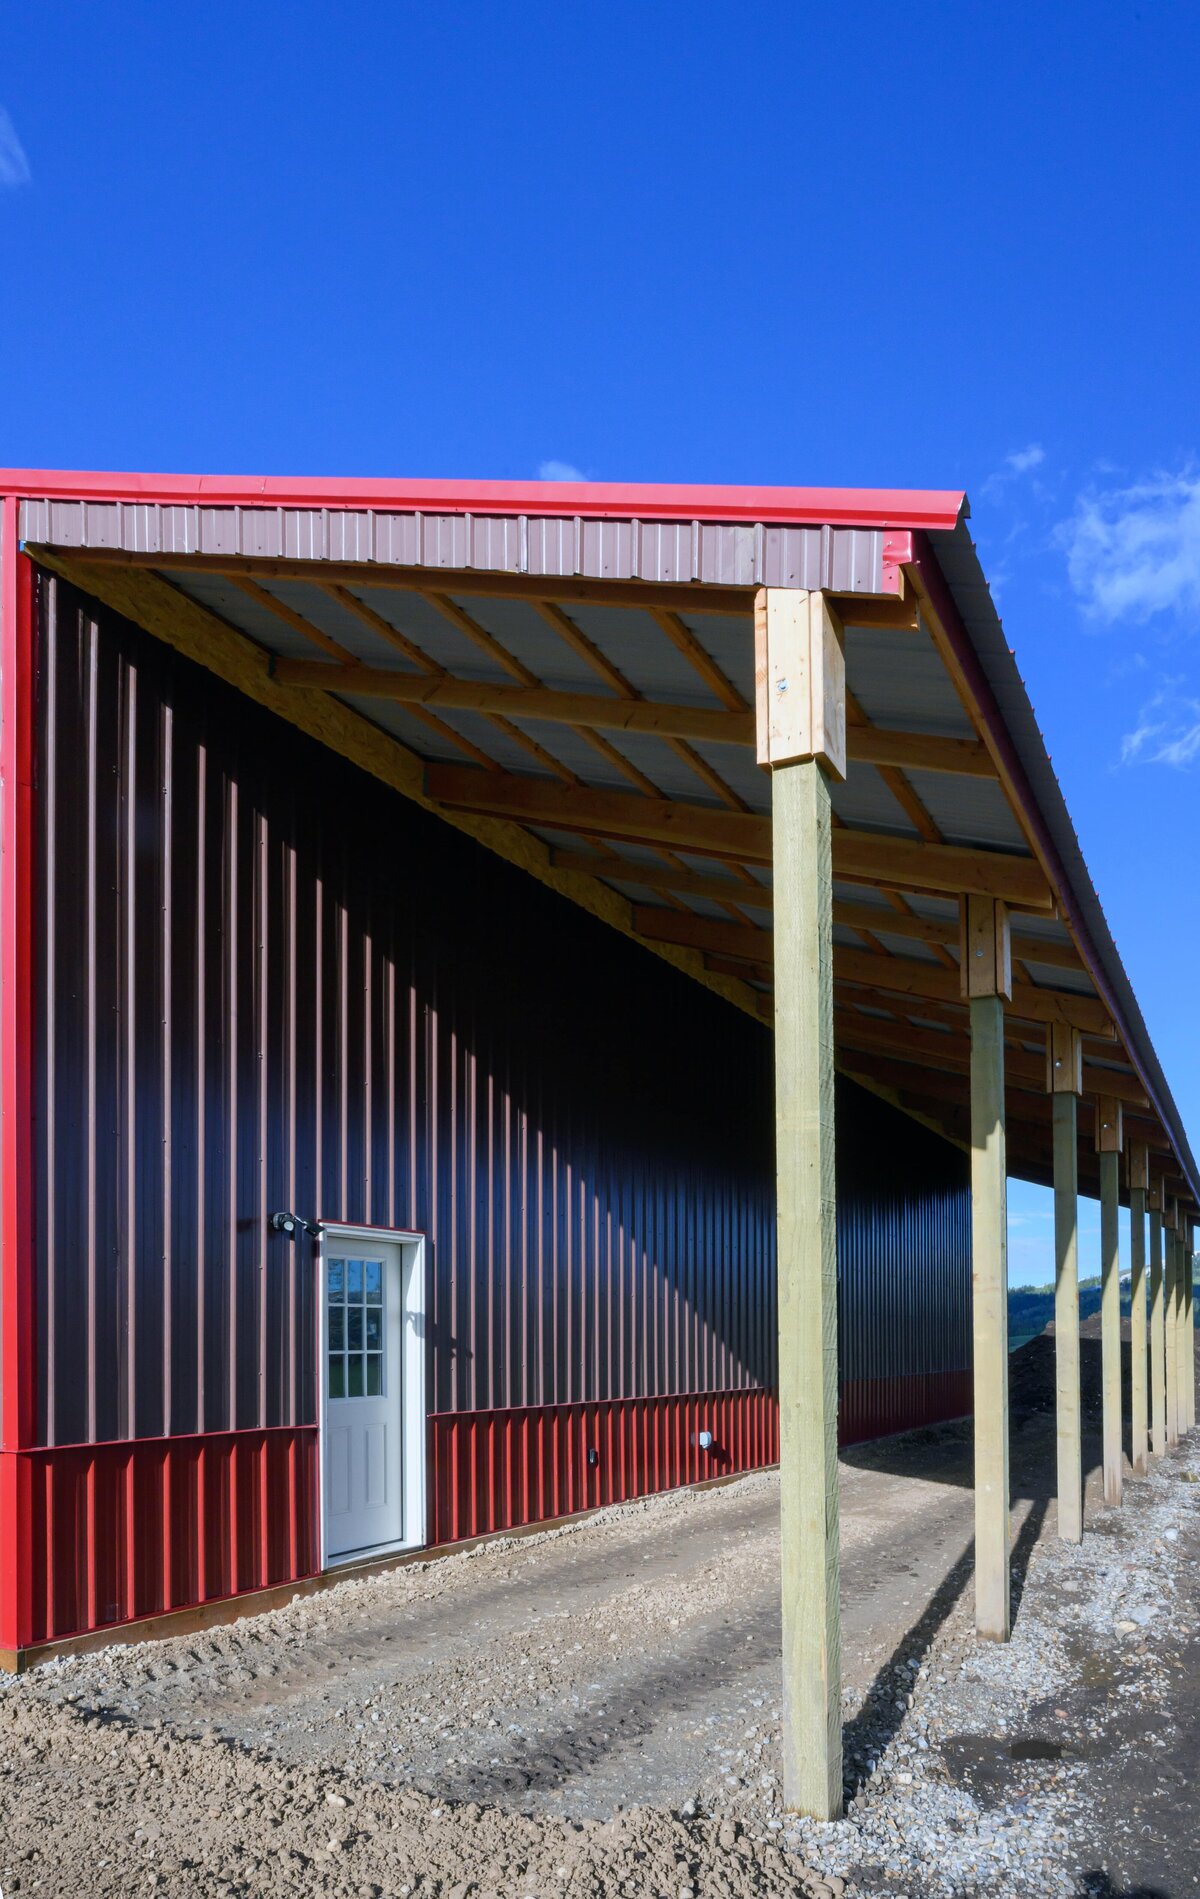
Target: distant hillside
(1031, 1308)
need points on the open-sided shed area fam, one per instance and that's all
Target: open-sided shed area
(401, 884)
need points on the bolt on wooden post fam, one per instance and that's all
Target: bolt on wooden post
(986, 964)
(1109, 1136)
(801, 724)
(1064, 1082)
(1139, 1412)
(1158, 1338)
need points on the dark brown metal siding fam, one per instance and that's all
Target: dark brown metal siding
(264, 980)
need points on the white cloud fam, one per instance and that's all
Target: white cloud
(560, 471)
(14, 166)
(1022, 460)
(1167, 730)
(1134, 552)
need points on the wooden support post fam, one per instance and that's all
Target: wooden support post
(1158, 1344)
(1139, 1179)
(1108, 1142)
(987, 978)
(1064, 1079)
(1183, 1271)
(1189, 1327)
(801, 735)
(1170, 1278)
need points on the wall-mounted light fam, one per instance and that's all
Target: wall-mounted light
(706, 1440)
(293, 1223)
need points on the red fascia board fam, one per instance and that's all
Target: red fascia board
(932, 510)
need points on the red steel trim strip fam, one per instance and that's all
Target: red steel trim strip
(656, 501)
(16, 1074)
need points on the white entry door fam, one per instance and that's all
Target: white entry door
(364, 1395)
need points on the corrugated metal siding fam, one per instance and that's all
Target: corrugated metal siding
(745, 554)
(264, 980)
(117, 1532)
(904, 1248)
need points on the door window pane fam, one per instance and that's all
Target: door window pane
(354, 1328)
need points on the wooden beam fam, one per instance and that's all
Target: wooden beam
(1139, 1177)
(928, 1046)
(905, 976)
(681, 597)
(705, 933)
(807, 1279)
(446, 694)
(876, 920)
(699, 659)
(741, 835)
(1158, 1344)
(917, 751)
(898, 613)
(903, 863)
(688, 883)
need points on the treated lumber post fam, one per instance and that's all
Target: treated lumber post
(800, 705)
(1158, 1343)
(1189, 1326)
(1170, 1281)
(1183, 1270)
(1108, 1142)
(1064, 1079)
(986, 966)
(1139, 1178)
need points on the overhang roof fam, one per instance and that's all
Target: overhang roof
(567, 671)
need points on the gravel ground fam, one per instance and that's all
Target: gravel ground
(480, 1724)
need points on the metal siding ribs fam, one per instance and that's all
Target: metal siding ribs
(720, 553)
(263, 980)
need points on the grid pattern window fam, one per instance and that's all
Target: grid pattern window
(354, 1328)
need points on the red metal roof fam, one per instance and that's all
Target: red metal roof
(911, 508)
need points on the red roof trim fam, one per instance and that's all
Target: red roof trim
(932, 510)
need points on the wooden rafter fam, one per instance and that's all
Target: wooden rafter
(645, 716)
(859, 856)
(689, 883)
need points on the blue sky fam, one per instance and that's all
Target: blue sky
(942, 246)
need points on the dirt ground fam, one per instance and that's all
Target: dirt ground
(595, 1711)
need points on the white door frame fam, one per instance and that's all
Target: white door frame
(413, 1421)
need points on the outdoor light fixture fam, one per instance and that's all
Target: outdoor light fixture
(293, 1223)
(705, 1440)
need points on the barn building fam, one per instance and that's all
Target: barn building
(518, 997)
